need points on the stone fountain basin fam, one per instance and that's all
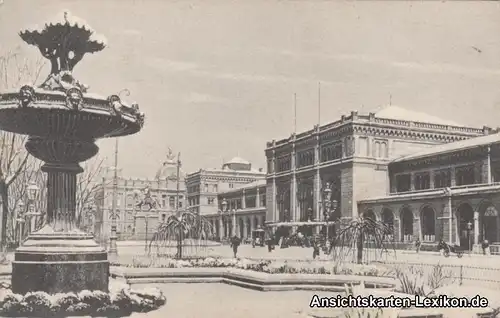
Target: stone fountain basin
(48, 114)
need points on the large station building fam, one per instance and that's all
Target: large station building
(406, 168)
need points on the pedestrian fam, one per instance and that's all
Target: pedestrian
(418, 244)
(315, 249)
(484, 246)
(235, 243)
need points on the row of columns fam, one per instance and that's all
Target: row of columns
(244, 197)
(229, 227)
(294, 213)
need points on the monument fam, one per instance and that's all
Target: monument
(63, 121)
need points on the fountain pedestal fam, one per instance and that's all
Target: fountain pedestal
(59, 257)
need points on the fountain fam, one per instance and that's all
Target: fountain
(63, 121)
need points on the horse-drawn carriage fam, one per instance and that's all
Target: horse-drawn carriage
(449, 249)
(258, 237)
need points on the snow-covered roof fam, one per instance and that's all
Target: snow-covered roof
(238, 160)
(453, 147)
(399, 113)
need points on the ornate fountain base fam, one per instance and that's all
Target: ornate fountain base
(56, 262)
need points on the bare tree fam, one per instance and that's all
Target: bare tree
(89, 183)
(14, 71)
(30, 174)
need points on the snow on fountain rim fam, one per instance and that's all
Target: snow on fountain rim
(66, 18)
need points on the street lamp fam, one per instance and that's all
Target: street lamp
(223, 219)
(89, 218)
(233, 227)
(146, 219)
(327, 201)
(469, 236)
(20, 221)
(32, 195)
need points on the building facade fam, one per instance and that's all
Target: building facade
(134, 222)
(242, 188)
(203, 186)
(352, 155)
(240, 211)
(449, 192)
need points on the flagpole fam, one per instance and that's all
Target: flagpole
(319, 104)
(295, 113)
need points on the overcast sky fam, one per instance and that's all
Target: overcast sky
(216, 78)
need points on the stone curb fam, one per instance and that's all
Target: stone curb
(250, 279)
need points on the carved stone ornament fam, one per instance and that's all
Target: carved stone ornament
(140, 119)
(115, 104)
(26, 95)
(62, 82)
(74, 98)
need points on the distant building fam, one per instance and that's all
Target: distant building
(207, 187)
(132, 221)
(204, 185)
(245, 210)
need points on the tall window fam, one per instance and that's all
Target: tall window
(283, 163)
(332, 151)
(305, 158)
(171, 202)
(465, 175)
(403, 183)
(216, 188)
(422, 181)
(442, 178)
(262, 200)
(250, 201)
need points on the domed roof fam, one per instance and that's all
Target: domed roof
(399, 113)
(238, 160)
(168, 169)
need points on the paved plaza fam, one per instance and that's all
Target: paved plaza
(298, 253)
(221, 300)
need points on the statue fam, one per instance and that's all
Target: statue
(147, 200)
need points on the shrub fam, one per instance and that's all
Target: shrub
(118, 303)
(414, 280)
(264, 266)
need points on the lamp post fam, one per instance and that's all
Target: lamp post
(327, 197)
(32, 191)
(146, 218)
(469, 236)
(89, 218)
(20, 222)
(223, 211)
(233, 223)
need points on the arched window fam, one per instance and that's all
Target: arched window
(388, 220)
(428, 223)
(406, 225)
